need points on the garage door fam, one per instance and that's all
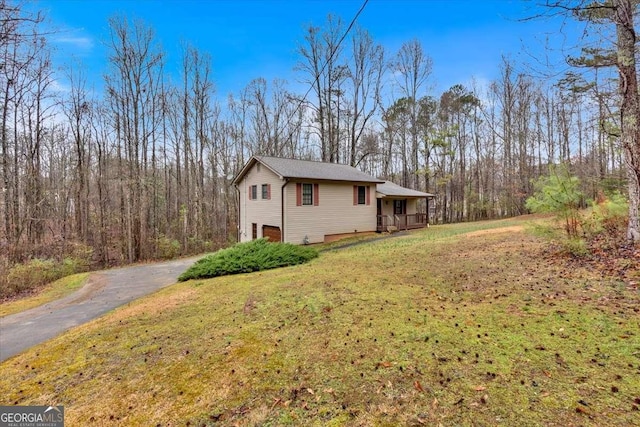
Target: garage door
(273, 233)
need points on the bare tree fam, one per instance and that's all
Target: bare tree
(197, 119)
(412, 68)
(365, 82)
(323, 70)
(78, 112)
(35, 113)
(131, 86)
(25, 77)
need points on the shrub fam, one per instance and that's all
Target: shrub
(256, 255)
(602, 229)
(37, 272)
(559, 194)
(167, 248)
(575, 246)
(197, 245)
(608, 215)
(80, 255)
(30, 275)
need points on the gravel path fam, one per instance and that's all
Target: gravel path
(104, 291)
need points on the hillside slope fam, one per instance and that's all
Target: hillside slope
(450, 325)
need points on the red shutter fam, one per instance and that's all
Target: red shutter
(298, 194)
(250, 187)
(368, 195)
(316, 195)
(355, 195)
(268, 191)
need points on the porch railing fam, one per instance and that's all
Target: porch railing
(401, 222)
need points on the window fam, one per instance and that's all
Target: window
(362, 195)
(307, 194)
(266, 191)
(253, 192)
(399, 207)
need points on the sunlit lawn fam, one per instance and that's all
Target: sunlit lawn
(451, 325)
(56, 290)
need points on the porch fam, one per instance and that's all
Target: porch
(388, 223)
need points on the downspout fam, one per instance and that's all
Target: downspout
(238, 222)
(286, 181)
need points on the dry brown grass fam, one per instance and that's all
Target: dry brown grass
(511, 229)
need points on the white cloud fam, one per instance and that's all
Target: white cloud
(84, 43)
(60, 86)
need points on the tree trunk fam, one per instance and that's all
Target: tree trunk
(630, 109)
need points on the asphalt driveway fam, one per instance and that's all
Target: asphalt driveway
(103, 292)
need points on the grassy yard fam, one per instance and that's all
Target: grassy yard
(56, 290)
(469, 324)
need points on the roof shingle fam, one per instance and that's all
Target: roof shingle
(305, 169)
(388, 188)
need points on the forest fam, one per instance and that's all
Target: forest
(143, 170)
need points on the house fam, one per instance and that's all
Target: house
(299, 201)
(398, 207)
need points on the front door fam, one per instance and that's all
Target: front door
(400, 207)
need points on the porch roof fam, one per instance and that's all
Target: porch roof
(389, 189)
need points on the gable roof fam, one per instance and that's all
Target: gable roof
(388, 188)
(305, 169)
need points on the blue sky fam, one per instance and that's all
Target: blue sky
(250, 39)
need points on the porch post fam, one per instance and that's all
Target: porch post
(427, 213)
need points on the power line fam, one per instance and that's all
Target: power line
(333, 53)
